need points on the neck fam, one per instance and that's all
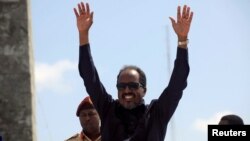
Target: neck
(93, 135)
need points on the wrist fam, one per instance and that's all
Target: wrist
(182, 38)
(83, 38)
(84, 33)
(183, 43)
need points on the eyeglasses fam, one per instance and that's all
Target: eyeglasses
(130, 85)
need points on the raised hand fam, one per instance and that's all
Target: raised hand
(182, 25)
(84, 21)
(84, 17)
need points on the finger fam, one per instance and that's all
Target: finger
(76, 13)
(188, 12)
(178, 13)
(91, 16)
(87, 5)
(172, 20)
(191, 17)
(184, 11)
(173, 23)
(83, 8)
(79, 8)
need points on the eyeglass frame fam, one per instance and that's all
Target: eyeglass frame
(130, 85)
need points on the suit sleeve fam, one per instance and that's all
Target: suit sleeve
(170, 97)
(93, 85)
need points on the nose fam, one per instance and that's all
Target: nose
(87, 118)
(127, 89)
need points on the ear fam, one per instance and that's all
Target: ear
(99, 123)
(144, 90)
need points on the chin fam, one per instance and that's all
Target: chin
(129, 106)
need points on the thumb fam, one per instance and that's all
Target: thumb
(172, 20)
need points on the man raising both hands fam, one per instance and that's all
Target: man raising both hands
(128, 118)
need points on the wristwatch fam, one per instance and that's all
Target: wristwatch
(180, 43)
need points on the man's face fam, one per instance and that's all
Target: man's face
(130, 91)
(90, 120)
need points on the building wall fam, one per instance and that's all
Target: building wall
(17, 117)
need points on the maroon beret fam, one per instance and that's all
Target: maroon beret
(85, 104)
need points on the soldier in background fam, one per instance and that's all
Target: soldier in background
(90, 122)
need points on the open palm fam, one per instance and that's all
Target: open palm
(84, 17)
(182, 25)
